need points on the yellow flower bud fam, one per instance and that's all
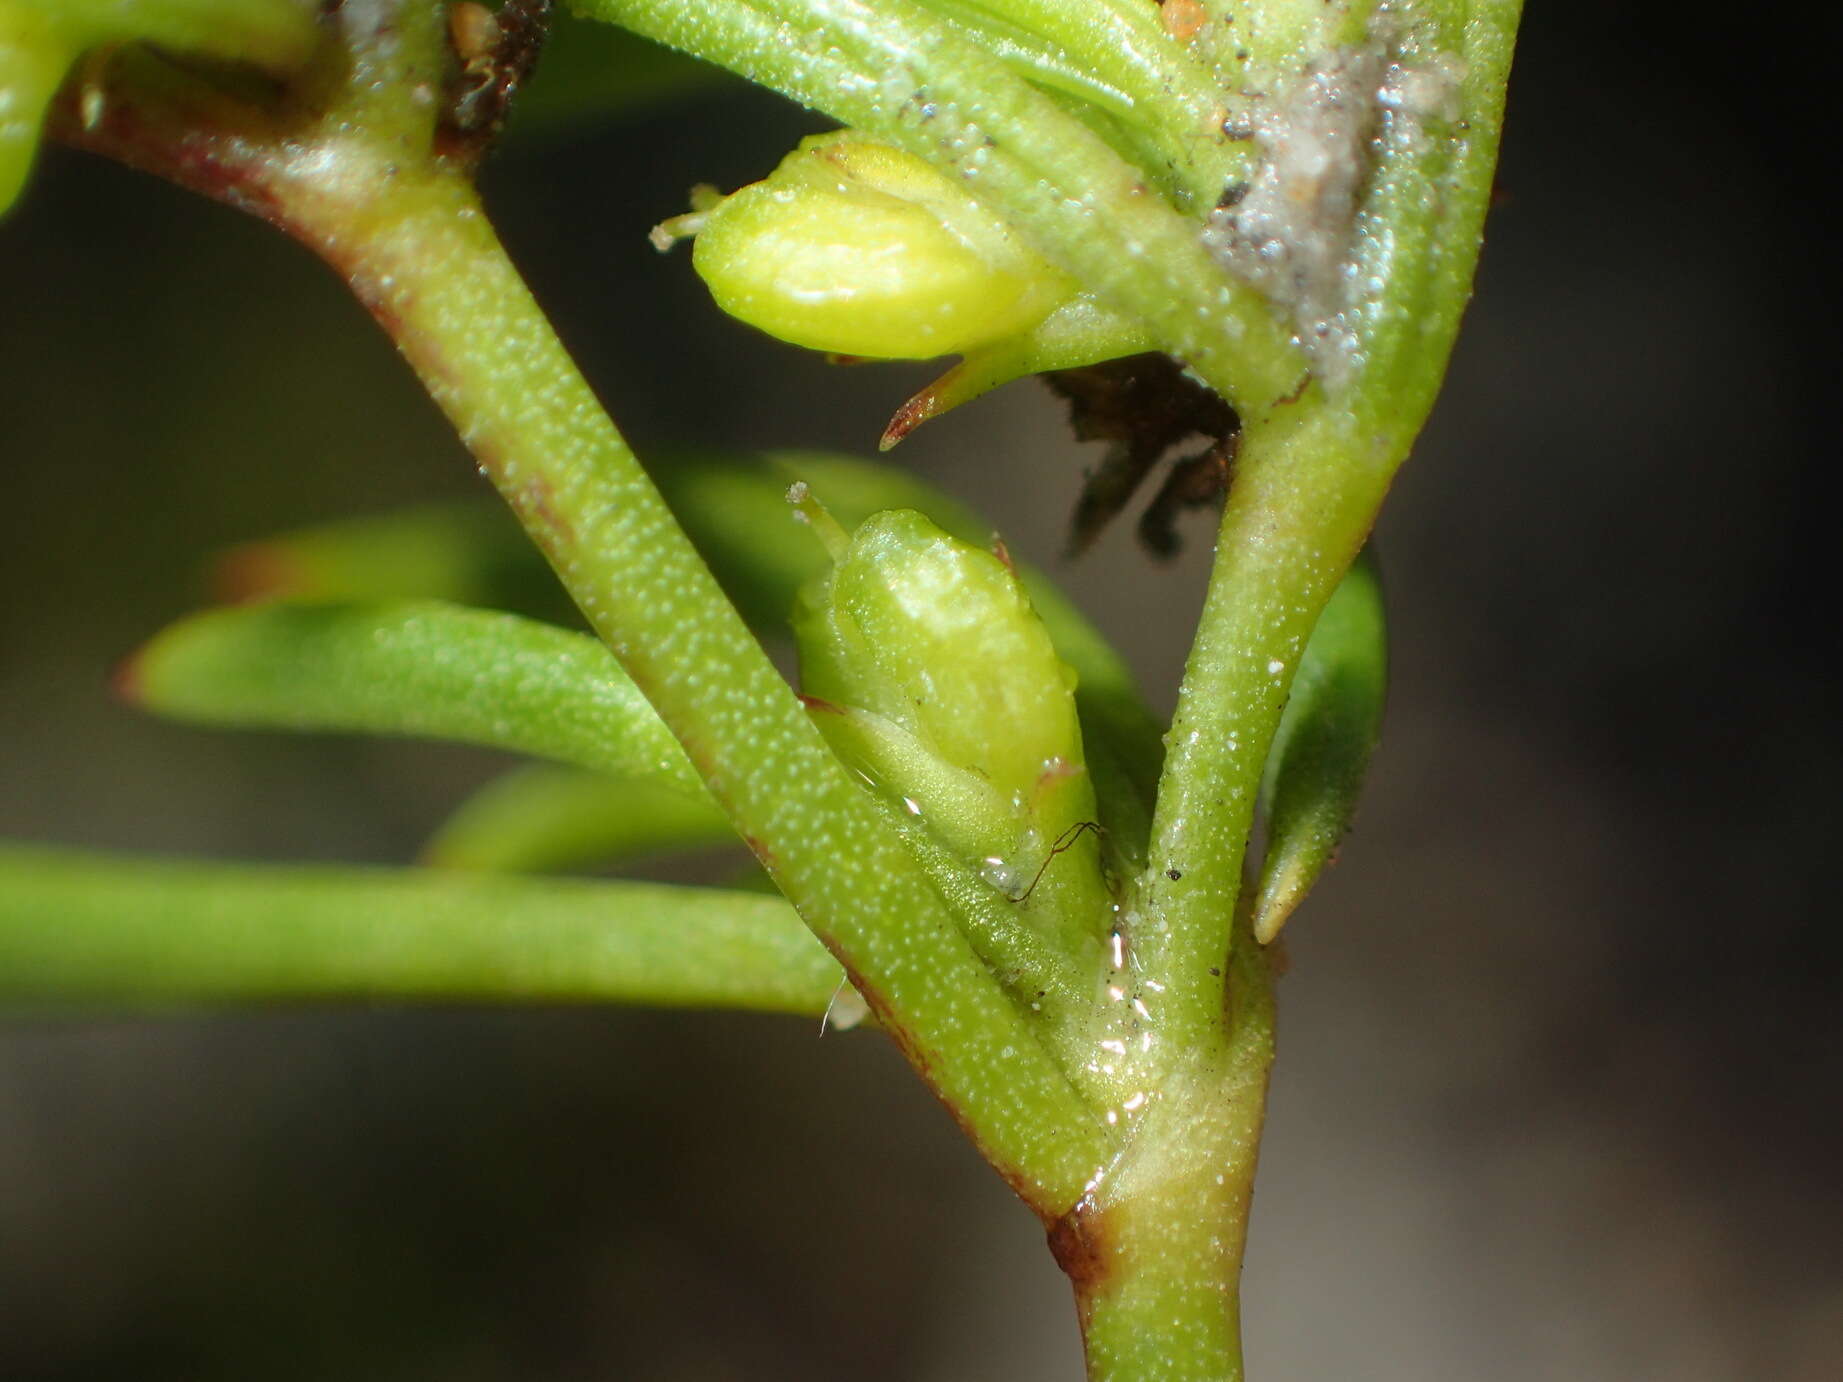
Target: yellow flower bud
(854, 247)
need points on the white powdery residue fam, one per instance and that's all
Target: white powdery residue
(1298, 231)
(1291, 232)
(1428, 90)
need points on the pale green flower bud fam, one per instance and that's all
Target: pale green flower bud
(931, 673)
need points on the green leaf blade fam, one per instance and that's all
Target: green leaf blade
(85, 928)
(466, 553)
(417, 668)
(540, 818)
(1321, 752)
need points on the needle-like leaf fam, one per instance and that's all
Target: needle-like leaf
(79, 927)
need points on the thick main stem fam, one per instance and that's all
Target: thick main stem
(1309, 487)
(1155, 1250)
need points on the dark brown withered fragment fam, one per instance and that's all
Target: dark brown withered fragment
(498, 50)
(1143, 406)
(1194, 481)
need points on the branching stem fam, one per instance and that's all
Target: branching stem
(1132, 1128)
(367, 188)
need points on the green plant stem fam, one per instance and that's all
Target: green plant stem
(83, 928)
(360, 181)
(1309, 481)
(1293, 522)
(1155, 1251)
(437, 278)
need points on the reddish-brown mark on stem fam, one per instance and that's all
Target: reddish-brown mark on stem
(533, 498)
(1080, 1242)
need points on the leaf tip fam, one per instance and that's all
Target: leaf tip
(1280, 898)
(255, 571)
(127, 682)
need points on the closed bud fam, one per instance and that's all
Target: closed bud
(857, 248)
(931, 673)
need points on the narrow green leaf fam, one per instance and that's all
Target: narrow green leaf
(415, 668)
(539, 818)
(734, 506)
(1160, 83)
(1042, 58)
(78, 927)
(469, 552)
(1321, 751)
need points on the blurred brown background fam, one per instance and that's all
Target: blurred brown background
(1561, 1045)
